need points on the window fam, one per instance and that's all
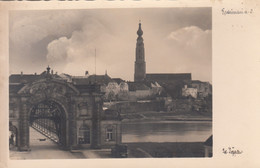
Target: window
(84, 134)
(109, 134)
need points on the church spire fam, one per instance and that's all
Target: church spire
(140, 67)
(140, 31)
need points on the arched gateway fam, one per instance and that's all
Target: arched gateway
(67, 112)
(49, 118)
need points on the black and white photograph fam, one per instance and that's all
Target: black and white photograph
(110, 83)
(122, 83)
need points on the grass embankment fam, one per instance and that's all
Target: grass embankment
(165, 150)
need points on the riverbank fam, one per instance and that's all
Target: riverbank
(164, 116)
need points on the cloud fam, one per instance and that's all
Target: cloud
(65, 54)
(32, 28)
(184, 50)
(191, 36)
(57, 50)
(32, 31)
(176, 41)
(192, 46)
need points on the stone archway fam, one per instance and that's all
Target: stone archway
(47, 95)
(49, 118)
(75, 104)
(31, 116)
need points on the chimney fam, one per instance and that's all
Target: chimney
(21, 73)
(52, 72)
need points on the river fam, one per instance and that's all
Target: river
(166, 131)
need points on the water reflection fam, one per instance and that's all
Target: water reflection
(178, 131)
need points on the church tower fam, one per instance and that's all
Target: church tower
(139, 57)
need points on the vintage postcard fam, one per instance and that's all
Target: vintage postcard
(104, 84)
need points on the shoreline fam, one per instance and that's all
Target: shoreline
(169, 119)
(163, 116)
(133, 121)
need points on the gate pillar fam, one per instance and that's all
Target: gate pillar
(24, 128)
(73, 126)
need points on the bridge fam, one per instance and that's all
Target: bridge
(68, 113)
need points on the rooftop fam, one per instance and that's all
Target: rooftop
(98, 79)
(168, 76)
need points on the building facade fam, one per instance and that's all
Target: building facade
(186, 92)
(71, 115)
(171, 82)
(204, 88)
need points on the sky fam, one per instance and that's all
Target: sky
(176, 40)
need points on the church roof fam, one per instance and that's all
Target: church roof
(196, 81)
(199, 82)
(168, 76)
